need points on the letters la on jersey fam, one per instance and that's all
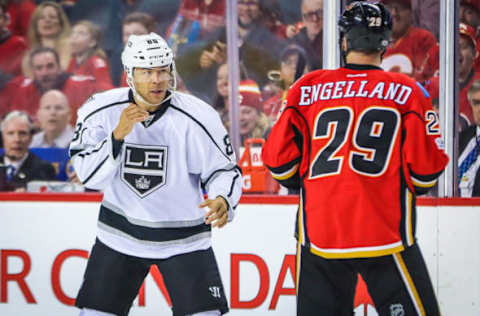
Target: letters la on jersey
(144, 168)
(361, 141)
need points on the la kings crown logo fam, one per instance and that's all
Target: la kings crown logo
(144, 168)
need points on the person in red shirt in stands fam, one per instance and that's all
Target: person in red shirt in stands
(470, 14)
(467, 73)
(88, 58)
(407, 52)
(196, 20)
(12, 47)
(20, 12)
(24, 93)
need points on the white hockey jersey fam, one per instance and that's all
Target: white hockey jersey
(153, 182)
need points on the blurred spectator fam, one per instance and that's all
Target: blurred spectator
(136, 23)
(469, 145)
(311, 36)
(466, 73)
(18, 164)
(20, 12)
(53, 118)
(407, 52)
(253, 122)
(259, 52)
(221, 102)
(470, 14)
(426, 15)
(88, 58)
(109, 14)
(293, 65)
(25, 93)
(67, 5)
(12, 47)
(273, 20)
(196, 20)
(49, 27)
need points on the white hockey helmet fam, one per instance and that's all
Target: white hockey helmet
(147, 51)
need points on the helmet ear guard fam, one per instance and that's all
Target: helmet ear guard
(367, 27)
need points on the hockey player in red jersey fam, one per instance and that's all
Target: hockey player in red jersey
(361, 144)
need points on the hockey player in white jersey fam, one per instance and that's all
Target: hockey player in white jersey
(154, 151)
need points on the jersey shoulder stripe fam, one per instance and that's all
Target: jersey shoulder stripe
(199, 112)
(103, 100)
(197, 108)
(202, 127)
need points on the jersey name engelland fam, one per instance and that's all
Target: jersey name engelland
(153, 187)
(344, 89)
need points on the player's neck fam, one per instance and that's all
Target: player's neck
(360, 58)
(145, 106)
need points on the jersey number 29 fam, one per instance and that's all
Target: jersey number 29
(372, 140)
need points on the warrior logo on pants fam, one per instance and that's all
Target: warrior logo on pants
(144, 168)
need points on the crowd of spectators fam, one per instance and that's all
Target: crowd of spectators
(56, 54)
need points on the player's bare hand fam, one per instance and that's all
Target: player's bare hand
(129, 117)
(218, 212)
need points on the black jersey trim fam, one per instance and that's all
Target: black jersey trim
(236, 167)
(103, 108)
(117, 221)
(231, 186)
(413, 112)
(309, 149)
(426, 178)
(285, 167)
(203, 127)
(73, 152)
(95, 171)
(363, 67)
(81, 154)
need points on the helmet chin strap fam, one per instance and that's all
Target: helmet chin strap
(137, 95)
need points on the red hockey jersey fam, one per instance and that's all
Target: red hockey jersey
(361, 143)
(408, 54)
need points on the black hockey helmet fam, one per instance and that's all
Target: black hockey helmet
(367, 27)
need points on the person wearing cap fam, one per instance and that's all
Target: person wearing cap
(406, 53)
(467, 73)
(470, 14)
(253, 122)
